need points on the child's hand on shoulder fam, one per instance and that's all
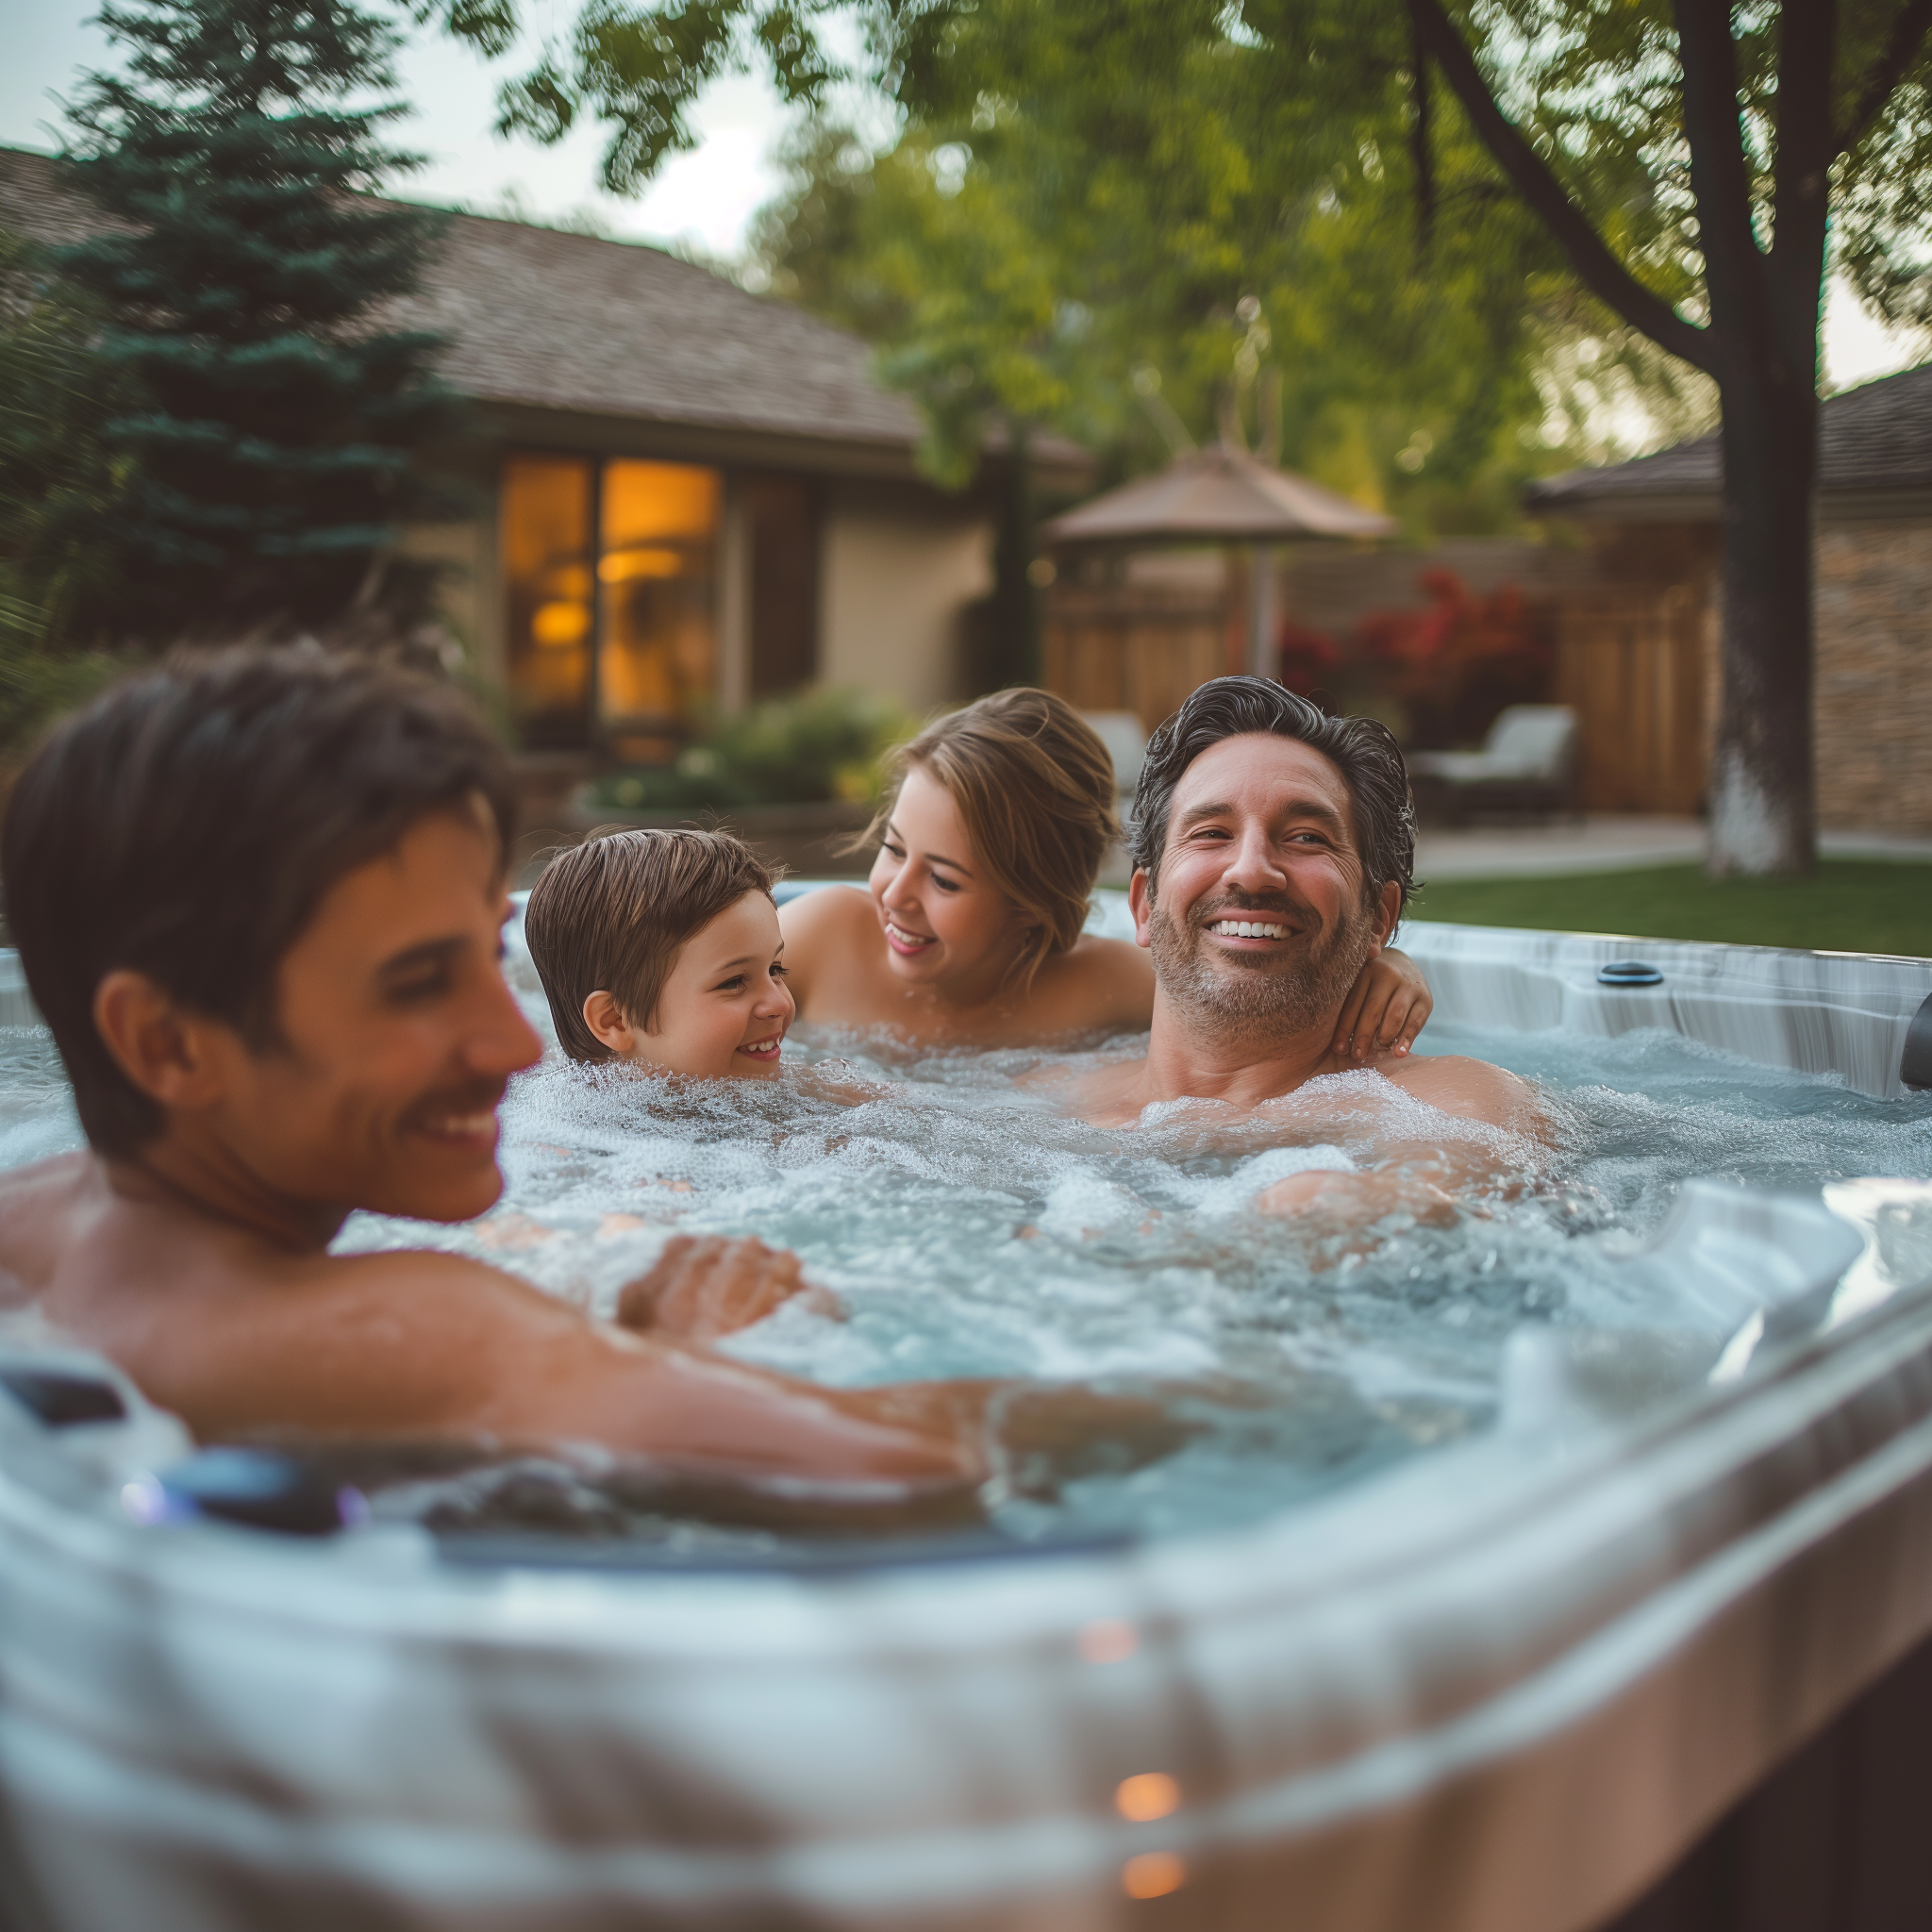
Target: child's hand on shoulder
(1387, 1006)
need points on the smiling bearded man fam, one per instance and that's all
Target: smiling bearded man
(1296, 980)
(1274, 851)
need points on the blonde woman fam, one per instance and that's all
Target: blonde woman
(969, 933)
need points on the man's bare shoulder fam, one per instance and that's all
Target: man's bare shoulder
(1470, 1089)
(30, 1190)
(394, 1343)
(41, 1207)
(1110, 1096)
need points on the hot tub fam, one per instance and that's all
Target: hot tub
(1498, 1685)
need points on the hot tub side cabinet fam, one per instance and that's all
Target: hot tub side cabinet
(1837, 1839)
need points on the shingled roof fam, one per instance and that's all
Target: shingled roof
(1874, 442)
(547, 320)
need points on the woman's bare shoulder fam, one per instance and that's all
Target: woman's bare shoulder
(1112, 982)
(825, 911)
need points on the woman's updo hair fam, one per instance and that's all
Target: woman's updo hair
(1035, 788)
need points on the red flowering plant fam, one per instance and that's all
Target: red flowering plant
(1453, 665)
(1310, 659)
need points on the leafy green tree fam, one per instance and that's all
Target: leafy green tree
(1692, 160)
(56, 480)
(272, 424)
(1698, 166)
(1027, 261)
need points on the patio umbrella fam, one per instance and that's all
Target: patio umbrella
(1220, 495)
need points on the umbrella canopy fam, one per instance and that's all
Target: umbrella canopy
(1218, 496)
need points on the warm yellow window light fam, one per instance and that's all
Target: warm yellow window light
(628, 566)
(558, 624)
(652, 502)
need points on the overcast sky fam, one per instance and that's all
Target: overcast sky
(706, 197)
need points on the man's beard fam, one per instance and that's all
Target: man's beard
(1259, 997)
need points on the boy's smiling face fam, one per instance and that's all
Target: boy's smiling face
(725, 1009)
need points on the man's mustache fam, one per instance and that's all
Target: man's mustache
(472, 1097)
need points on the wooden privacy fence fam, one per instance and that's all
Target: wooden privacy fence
(1134, 647)
(1633, 661)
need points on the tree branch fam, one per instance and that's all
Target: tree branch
(1420, 141)
(1800, 189)
(1599, 270)
(1734, 277)
(1908, 36)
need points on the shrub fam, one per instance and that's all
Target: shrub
(817, 746)
(1453, 665)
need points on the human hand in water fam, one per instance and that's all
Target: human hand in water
(1338, 1199)
(1385, 1007)
(704, 1286)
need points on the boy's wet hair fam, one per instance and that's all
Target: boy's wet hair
(611, 915)
(188, 821)
(1033, 787)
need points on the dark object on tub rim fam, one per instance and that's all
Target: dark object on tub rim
(1630, 973)
(60, 1398)
(1915, 1063)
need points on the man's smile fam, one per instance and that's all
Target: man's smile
(1255, 930)
(1247, 929)
(464, 1120)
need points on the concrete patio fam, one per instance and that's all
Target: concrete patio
(1605, 842)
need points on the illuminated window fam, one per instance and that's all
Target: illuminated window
(546, 568)
(625, 663)
(658, 579)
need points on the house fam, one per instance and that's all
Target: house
(1637, 645)
(685, 493)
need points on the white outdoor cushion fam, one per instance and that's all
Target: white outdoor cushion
(1526, 741)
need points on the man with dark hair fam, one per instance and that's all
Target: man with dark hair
(1273, 851)
(258, 899)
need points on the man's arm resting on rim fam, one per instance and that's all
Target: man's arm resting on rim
(433, 1345)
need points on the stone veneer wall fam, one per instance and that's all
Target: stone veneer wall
(1875, 676)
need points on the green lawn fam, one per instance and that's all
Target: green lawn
(1848, 906)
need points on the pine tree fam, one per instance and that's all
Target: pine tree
(242, 272)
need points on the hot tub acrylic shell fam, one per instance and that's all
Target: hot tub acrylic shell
(1496, 1690)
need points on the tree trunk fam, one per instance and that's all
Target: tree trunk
(1763, 787)
(1763, 334)
(1015, 656)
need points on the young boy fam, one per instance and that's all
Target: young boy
(663, 948)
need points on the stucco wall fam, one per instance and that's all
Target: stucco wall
(1875, 676)
(897, 568)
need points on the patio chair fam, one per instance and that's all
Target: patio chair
(1528, 764)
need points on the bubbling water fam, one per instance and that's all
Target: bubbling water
(969, 1227)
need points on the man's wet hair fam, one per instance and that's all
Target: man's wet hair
(1364, 750)
(188, 824)
(613, 914)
